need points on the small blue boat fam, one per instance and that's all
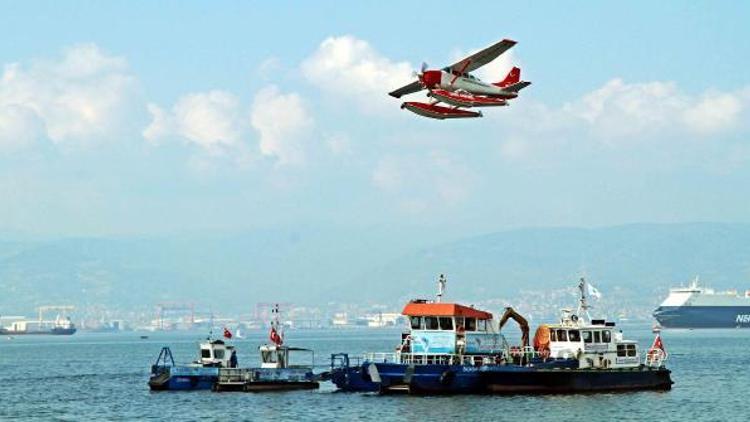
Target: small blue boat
(201, 374)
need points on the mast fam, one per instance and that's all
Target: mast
(275, 325)
(441, 288)
(583, 304)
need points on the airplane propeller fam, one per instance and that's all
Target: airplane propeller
(420, 75)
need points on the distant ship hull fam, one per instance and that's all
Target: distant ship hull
(703, 316)
(52, 331)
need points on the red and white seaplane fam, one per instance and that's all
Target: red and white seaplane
(456, 87)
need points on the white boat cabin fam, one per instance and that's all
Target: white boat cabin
(217, 353)
(274, 356)
(595, 344)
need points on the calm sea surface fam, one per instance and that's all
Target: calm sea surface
(91, 376)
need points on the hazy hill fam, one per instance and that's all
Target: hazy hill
(309, 266)
(642, 258)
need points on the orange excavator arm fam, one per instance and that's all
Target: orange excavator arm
(522, 324)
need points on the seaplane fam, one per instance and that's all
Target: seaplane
(456, 87)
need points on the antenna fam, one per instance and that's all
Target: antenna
(441, 287)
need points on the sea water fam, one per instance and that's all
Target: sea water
(97, 376)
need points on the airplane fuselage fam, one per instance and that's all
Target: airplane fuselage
(472, 85)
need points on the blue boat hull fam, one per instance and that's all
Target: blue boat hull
(703, 316)
(557, 377)
(182, 378)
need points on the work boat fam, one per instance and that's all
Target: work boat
(276, 372)
(200, 374)
(453, 348)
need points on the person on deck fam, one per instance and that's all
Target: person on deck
(233, 360)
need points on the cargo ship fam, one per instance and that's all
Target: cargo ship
(61, 325)
(450, 348)
(697, 306)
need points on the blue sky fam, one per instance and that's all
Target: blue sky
(160, 117)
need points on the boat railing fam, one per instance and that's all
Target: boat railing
(433, 358)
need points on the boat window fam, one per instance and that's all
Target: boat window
(586, 336)
(431, 323)
(268, 356)
(552, 335)
(574, 335)
(205, 353)
(471, 324)
(219, 354)
(562, 335)
(621, 351)
(631, 350)
(446, 323)
(459, 323)
(606, 336)
(416, 323)
(482, 325)
(597, 336)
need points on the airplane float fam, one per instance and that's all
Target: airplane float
(456, 87)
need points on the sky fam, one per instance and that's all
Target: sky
(140, 117)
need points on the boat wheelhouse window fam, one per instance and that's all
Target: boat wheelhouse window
(471, 324)
(219, 353)
(621, 352)
(205, 353)
(631, 350)
(431, 323)
(459, 323)
(482, 325)
(552, 335)
(562, 335)
(606, 336)
(597, 336)
(586, 336)
(416, 322)
(574, 335)
(446, 323)
(268, 356)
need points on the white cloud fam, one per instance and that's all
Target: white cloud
(283, 122)
(714, 113)
(211, 120)
(84, 96)
(621, 110)
(19, 127)
(420, 182)
(161, 124)
(349, 67)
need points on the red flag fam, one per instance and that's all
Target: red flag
(658, 343)
(227, 333)
(275, 337)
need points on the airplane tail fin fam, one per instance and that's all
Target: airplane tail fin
(516, 86)
(511, 78)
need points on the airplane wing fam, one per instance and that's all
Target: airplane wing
(413, 87)
(481, 58)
